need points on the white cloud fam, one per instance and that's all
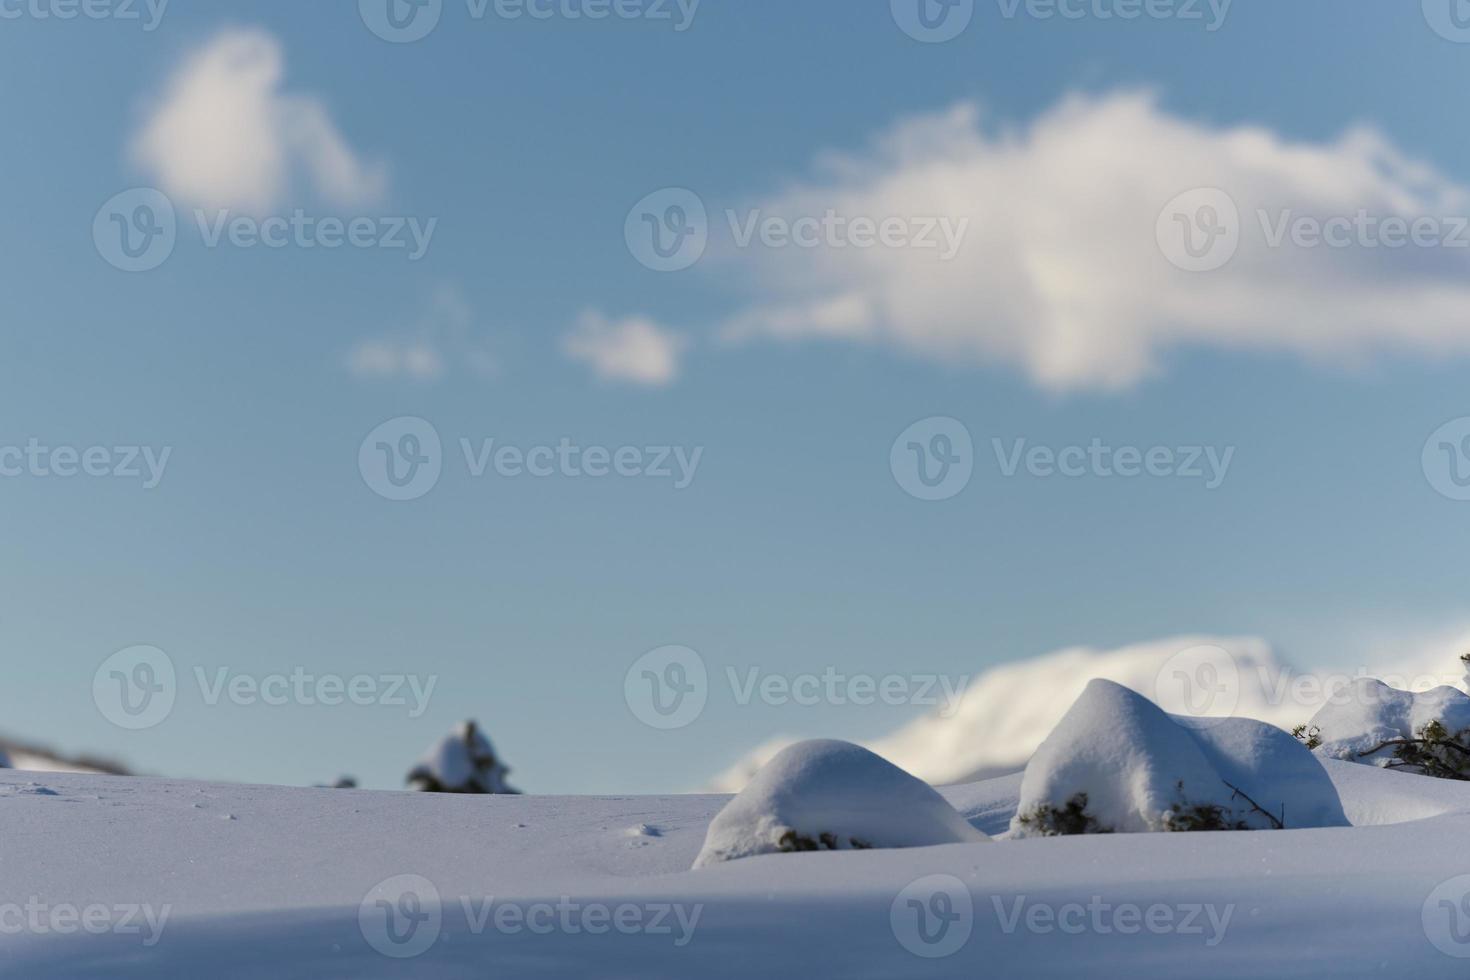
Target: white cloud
(634, 349)
(1061, 274)
(444, 336)
(224, 135)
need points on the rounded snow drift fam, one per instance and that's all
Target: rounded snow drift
(832, 796)
(1117, 763)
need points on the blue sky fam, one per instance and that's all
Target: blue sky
(529, 321)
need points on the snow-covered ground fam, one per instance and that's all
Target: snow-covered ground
(131, 877)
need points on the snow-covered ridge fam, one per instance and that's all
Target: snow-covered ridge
(1006, 712)
(34, 758)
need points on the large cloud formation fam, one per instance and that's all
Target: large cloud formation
(1067, 271)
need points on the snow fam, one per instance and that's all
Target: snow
(1006, 712)
(463, 761)
(1361, 717)
(829, 795)
(1132, 768)
(278, 891)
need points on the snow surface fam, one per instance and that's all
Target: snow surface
(271, 882)
(1139, 769)
(1360, 718)
(836, 796)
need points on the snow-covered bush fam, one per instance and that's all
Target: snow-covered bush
(832, 796)
(1427, 733)
(462, 762)
(1117, 763)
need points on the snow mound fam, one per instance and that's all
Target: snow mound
(1002, 714)
(1117, 763)
(462, 762)
(830, 795)
(1356, 722)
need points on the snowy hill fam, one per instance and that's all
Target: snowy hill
(1007, 711)
(35, 758)
(134, 878)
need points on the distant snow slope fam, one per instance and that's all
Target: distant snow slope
(182, 879)
(1008, 710)
(20, 755)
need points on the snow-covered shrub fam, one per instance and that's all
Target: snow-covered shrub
(462, 762)
(1117, 763)
(831, 796)
(1427, 733)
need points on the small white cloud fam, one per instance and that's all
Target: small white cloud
(386, 359)
(444, 336)
(1061, 273)
(633, 349)
(224, 135)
